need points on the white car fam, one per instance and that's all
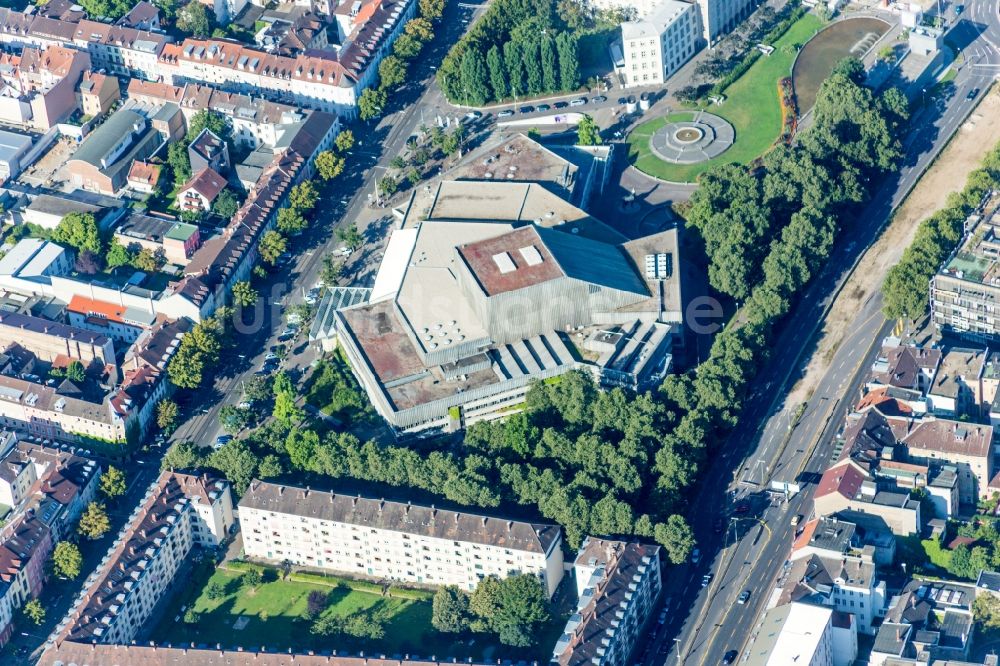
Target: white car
(343, 251)
(246, 404)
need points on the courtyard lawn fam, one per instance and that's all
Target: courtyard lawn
(752, 107)
(273, 616)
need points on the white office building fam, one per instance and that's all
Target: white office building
(803, 635)
(656, 46)
(392, 540)
(720, 16)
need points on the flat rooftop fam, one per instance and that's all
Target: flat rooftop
(395, 362)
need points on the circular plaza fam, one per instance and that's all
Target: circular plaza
(698, 139)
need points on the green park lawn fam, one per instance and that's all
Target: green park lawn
(275, 618)
(752, 106)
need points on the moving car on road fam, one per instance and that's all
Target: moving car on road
(729, 657)
(972, 94)
(744, 597)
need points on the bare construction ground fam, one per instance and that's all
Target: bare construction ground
(948, 174)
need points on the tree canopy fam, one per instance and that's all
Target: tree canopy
(79, 231)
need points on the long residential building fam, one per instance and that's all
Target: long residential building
(62, 653)
(45, 489)
(617, 585)
(330, 79)
(392, 540)
(50, 340)
(178, 513)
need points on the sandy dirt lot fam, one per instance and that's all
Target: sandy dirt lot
(948, 174)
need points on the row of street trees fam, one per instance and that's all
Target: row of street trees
(392, 71)
(905, 288)
(767, 230)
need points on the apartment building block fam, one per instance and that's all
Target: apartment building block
(657, 45)
(38, 87)
(55, 342)
(178, 513)
(965, 291)
(63, 652)
(618, 584)
(720, 16)
(845, 582)
(803, 635)
(46, 489)
(392, 540)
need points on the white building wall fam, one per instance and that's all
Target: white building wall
(378, 553)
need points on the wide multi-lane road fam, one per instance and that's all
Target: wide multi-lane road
(775, 441)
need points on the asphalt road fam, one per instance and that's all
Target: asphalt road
(347, 200)
(767, 444)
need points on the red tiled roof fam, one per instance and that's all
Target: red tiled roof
(144, 172)
(207, 183)
(88, 306)
(844, 478)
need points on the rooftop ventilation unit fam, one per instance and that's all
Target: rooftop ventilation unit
(531, 255)
(504, 262)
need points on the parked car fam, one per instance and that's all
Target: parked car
(599, 99)
(473, 115)
(579, 101)
(622, 100)
(959, 9)
(287, 334)
(506, 113)
(342, 251)
(561, 105)
(729, 657)
(706, 579)
(663, 616)
(796, 519)
(742, 507)
(222, 440)
(744, 597)
(542, 107)
(246, 404)
(526, 109)
(271, 356)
